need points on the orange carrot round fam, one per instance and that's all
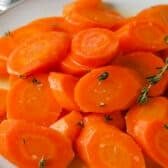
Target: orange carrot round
(92, 15)
(157, 13)
(94, 47)
(70, 66)
(69, 125)
(28, 145)
(155, 110)
(145, 64)
(107, 89)
(31, 99)
(152, 136)
(142, 35)
(101, 145)
(62, 86)
(38, 52)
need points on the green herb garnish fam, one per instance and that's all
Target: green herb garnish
(103, 76)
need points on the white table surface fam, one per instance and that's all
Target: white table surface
(32, 9)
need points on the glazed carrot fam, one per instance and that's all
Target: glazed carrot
(92, 15)
(3, 68)
(41, 51)
(94, 47)
(62, 86)
(77, 163)
(142, 35)
(28, 145)
(31, 99)
(87, 4)
(70, 66)
(152, 137)
(3, 98)
(107, 89)
(157, 13)
(13, 79)
(145, 64)
(101, 145)
(155, 110)
(69, 125)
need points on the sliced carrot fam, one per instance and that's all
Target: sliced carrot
(92, 15)
(155, 110)
(3, 68)
(145, 64)
(62, 86)
(70, 125)
(153, 138)
(143, 35)
(31, 99)
(107, 89)
(157, 13)
(7, 45)
(28, 145)
(13, 79)
(94, 47)
(87, 4)
(3, 98)
(70, 66)
(77, 163)
(101, 145)
(39, 52)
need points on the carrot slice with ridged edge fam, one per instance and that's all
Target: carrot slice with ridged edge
(155, 110)
(107, 89)
(70, 66)
(41, 51)
(142, 35)
(157, 13)
(153, 138)
(93, 14)
(28, 145)
(62, 86)
(108, 145)
(69, 125)
(32, 100)
(3, 101)
(94, 47)
(146, 64)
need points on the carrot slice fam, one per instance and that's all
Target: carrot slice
(62, 86)
(32, 100)
(157, 13)
(94, 47)
(3, 98)
(87, 4)
(70, 125)
(155, 110)
(107, 89)
(108, 145)
(142, 35)
(150, 163)
(39, 52)
(92, 15)
(28, 145)
(70, 66)
(153, 138)
(145, 64)
(77, 163)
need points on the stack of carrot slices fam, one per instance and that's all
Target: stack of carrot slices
(87, 90)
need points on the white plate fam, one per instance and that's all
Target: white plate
(32, 9)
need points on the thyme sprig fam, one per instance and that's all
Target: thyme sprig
(152, 80)
(42, 162)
